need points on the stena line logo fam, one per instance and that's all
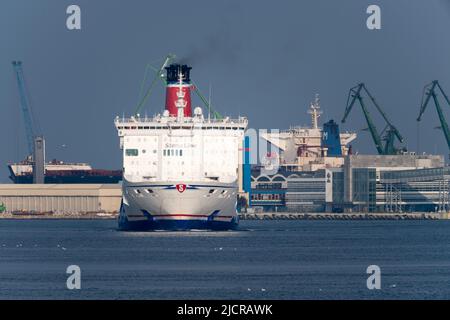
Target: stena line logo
(181, 187)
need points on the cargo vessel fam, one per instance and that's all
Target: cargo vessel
(57, 171)
(180, 168)
(311, 148)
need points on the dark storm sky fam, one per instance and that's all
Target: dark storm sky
(263, 59)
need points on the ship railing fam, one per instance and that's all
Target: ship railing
(187, 120)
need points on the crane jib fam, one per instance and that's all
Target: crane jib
(391, 133)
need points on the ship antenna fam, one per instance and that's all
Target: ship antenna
(315, 112)
(180, 103)
(209, 103)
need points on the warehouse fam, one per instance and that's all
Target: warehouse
(61, 198)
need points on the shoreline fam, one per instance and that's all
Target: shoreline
(345, 216)
(66, 216)
(249, 216)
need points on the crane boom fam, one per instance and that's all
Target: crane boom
(24, 103)
(392, 132)
(391, 126)
(159, 72)
(216, 114)
(430, 92)
(354, 94)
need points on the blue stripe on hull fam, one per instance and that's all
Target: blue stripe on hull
(126, 225)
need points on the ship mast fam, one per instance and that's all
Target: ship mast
(180, 103)
(315, 112)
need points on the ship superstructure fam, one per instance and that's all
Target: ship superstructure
(314, 147)
(180, 170)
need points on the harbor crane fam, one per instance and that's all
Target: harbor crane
(430, 90)
(389, 133)
(159, 74)
(25, 106)
(35, 141)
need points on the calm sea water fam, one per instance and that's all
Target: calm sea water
(264, 260)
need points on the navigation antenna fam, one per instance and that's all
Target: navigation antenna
(315, 112)
(180, 103)
(209, 104)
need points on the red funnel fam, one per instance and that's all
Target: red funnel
(178, 90)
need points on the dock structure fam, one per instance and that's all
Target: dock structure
(343, 216)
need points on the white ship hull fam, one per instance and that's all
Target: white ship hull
(178, 206)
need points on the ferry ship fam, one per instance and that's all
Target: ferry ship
(180, 168)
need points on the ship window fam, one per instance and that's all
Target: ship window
(131, 152)
(143, 151)
(137, 191)
(181, 152)
(171, 152)
(224, 192)
(176, 152)
(211, 190)
(149, 190)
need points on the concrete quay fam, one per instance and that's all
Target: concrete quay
(344, 216)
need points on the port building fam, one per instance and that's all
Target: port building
(60, 198)
(365, 183)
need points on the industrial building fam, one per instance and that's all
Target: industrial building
(365, 183)
(394, 183)
(61, 198)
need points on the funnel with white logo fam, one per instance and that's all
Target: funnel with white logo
(178, 90)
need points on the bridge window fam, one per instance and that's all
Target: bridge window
(131, 152)
(172, 152)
